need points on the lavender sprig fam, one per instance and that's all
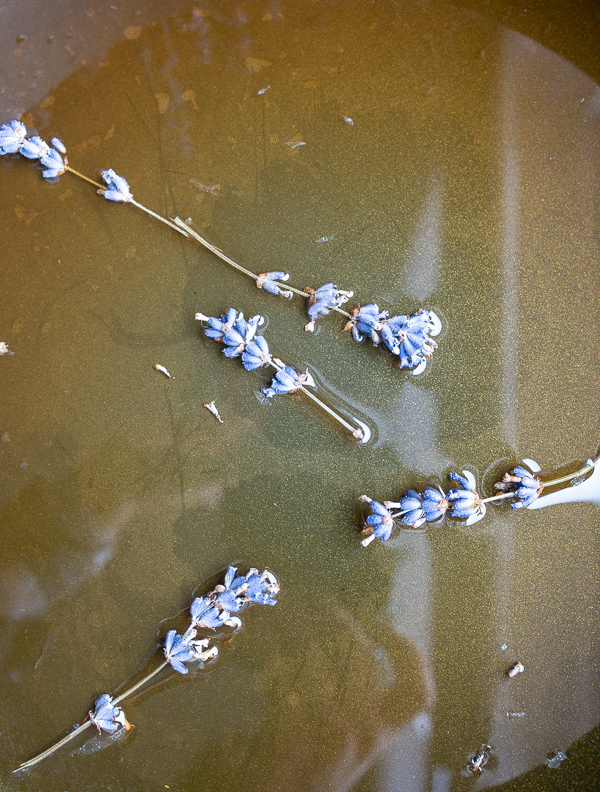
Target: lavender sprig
(519, 485)
(239, 339)
(209, 613)
(409, 339)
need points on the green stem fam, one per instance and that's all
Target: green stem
(85, 725)
(356, 431)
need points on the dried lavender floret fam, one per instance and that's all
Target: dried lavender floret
(177, 650)
(288, 380)
(465, 502)
(524, 487)
(117, 188)
(54, 164)
(378, 524)
(322, 301)
(34, 148)
(267, 281)
(12, 137)
(367, 321)
(106, 716)
(218, 327)
(256, 354)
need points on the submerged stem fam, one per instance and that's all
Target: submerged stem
(140, 684)
(177, 224)
(54, 748)
(356, 431)
(186, 229)
(79, 729)
(570, 476)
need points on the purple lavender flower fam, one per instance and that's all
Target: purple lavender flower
(411, 510)
(12, 137)
(435, 504)
(367, 320)
(288, 380)
(218, 327)
(117, 187)
(256, 587)
(524, 487)
(54, 164)
(106, 716)
(380, 523)
(242, 332)
(205, 614)
(409, 337)
(34, 148)
(464, 501)
(178, 650)
(267, 281)
(256, 354)
(322, 301)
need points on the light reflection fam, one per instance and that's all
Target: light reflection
(423, 266)
(519, 744)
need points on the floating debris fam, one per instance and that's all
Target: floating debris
(239, 339)
(162, 369)
(348, 120)
(325, 239)
(515, 714)
(555, 761)
(515, 669)
(210, 612)
(479, 759)
(207, 188)
(211, 407)
(294, 144)
(263, 91)
(4, 350)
